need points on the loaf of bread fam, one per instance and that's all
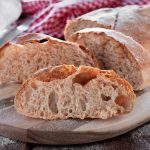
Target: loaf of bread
(18, 61)
(132, 20)
(65, 91)
(117, 52)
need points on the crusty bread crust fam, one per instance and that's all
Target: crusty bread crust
(35, 51)
(132, 49)
(132, 20)
(103, 18)
(54, 73)
(39, 38)
(81, 79)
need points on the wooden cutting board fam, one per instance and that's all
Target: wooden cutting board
(71, 131)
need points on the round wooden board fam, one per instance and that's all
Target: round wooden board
(71, 131)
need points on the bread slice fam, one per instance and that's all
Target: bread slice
(65, 91)
(117, 52)
(31, 52)
(132, 20)
(102, 18)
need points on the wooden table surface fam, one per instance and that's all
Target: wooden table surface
(14, 125)
(137, 139)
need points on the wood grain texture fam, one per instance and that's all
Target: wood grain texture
(71, 131)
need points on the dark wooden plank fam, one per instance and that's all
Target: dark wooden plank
(8, 90)
(9, 144)
(14, 125)
(6, 103)
(138, 139)
(60, 125)
(51, 132)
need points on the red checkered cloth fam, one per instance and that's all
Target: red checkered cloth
(50, 16)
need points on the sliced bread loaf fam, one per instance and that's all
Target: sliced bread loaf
(65, 91)
(132, 20)
(31, 52)
(117, 52)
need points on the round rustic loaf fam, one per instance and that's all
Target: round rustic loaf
(132, 20)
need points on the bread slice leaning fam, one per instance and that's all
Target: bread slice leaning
(117, 52)
(65, 91)
(31, 52)
(102, 18)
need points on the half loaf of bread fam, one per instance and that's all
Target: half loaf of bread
(117, 52)
(65, 91)
(18, 61)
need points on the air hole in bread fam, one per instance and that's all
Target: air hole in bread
(119, 111)
(121, 100)
(70, 110)
(83, 105)
(43, 40)
(39, 60)
(105, 98)
(66, 114)
(85, 50)
(43, 91)
(34, 86)
(28, 94)
(41, 114)
(83, 78)
(1, 67)
(21, 106)
(67, 103)
(28, 61)
(52, 102)
(114, 86)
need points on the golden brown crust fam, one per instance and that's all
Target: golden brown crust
(110, 74)
(63, 71)
(136, 52)
(2, 48)
(31, 37)
(54, 73)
